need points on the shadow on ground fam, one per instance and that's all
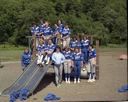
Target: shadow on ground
(47, 80)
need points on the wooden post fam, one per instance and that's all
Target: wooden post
(34, 47)
(29, 42)
(97, 59)
(91, 40)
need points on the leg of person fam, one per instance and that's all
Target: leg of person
(93, 72)
(79, 72)
(56, 75)
(64, 43)
(47, 59)
(67, 41)
(75, 69)
(89, 71)
(60, 73)
(69, 71)
(65, 71)
(38, 59)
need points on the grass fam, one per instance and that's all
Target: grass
(114, 47)
(12, 53)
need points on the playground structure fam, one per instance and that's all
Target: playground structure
(32, 76)
(32, 39)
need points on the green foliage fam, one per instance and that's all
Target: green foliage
(105, 19)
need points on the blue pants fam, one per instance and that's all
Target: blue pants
(77, 69)
(85, 53)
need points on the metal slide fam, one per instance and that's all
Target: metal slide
(36, 78)
(29, 79)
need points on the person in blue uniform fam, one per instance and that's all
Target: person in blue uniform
(34, 29)
(66, 36)
(85, 48)
(55, 34)
(25, 59)
(40, 52)
(41, 28)
(92, 60)
(77, 64)
(60, 26)
(47, 31)
(67, 64)
(49, 49)
(73, 43)
(78, 42)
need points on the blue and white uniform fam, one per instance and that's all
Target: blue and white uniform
(84, 48)
(77, 59)
(41, 48)
(41, 28)
(67, 65)
(73, 44)
(92, 60)
(92, 53)
(78, 44)
(35, 30)
(47, 31)
(25, 59)
(60, 28)
(50, 47)
(65, 32)
(67, 54)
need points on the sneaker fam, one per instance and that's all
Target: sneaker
(47, 62)
(66, 80)
(69, 80)
(89, 80)
(78, 80)
(75, 81)
(93, 80)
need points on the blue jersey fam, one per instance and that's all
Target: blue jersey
(41, 28)
(40, 47)
(50, 47)
(73, 44)
(26, 58)
(60, 27)
(92, 53)
(35, 30)
(56, 30)
(67, 54)
(85, 44)
(65, 32)
(47, 31)
(77, 57)
(78, 44)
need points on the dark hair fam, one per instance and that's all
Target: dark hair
(91, 45)
(58, 47)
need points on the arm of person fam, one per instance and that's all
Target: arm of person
(53, 58)
(62, 58)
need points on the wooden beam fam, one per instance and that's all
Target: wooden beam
(97, 59)
(34, 47)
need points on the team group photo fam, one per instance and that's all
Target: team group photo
(63, 51)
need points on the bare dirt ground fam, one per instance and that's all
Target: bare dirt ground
(113, 74)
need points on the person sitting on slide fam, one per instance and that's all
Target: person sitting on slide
(42, 57)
